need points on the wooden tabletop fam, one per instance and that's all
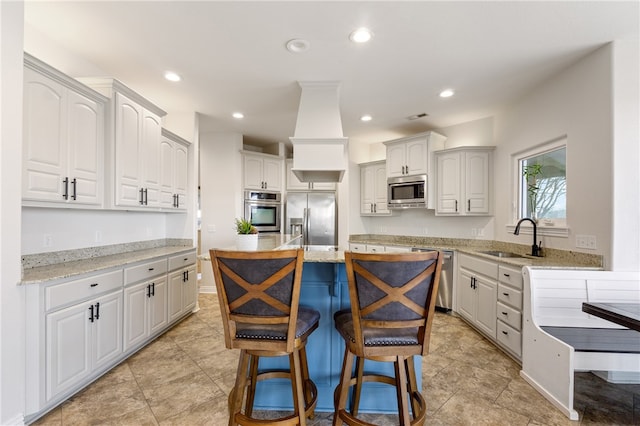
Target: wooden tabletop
(624, 314)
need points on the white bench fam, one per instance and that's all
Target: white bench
(559, 339)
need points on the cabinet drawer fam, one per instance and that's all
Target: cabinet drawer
(477, 265)
(509, 338)
(144, 271)
(360, 248)
(511, 276)
(511, 316)
(78, 290)
(182, 260)
(510, 296)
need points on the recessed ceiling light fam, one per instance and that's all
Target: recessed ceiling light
(366, 117)
(172, 76)
(238, 115)
(361, 35)
(447, 93)
(298, 45)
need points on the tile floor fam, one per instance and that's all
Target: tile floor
(183, 378)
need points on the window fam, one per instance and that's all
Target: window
(542, 184)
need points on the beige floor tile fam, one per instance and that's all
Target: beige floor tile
(469, 408)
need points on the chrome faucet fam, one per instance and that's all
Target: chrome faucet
(535, 248)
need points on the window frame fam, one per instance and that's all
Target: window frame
(557, 228)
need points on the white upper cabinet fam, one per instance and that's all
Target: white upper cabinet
(464, 181)
(63, 149)
(373, 189)
(134, 146)
(174, 171)
(411, 155)
(294, 184)
(262, 171)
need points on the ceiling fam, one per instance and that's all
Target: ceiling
(232, 57)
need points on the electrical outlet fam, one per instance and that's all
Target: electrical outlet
(480, 232)
(47, 240)
(586, 242)
(98, 237)
(474, 232)
(383, 229)
(426, 231)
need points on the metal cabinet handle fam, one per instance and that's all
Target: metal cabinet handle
(98, 310)
(141, 196)
(456, 205)
(93, 285)
(506, 275)
(504, 313)
(148, 290)
(65, 194)
(506, 294)
(74, 183)
(469, 205)
(91, 312)
(504, 332)
(153, 289)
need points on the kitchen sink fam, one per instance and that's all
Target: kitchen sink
(501, 253)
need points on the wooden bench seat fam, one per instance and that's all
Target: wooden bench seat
(558, 338)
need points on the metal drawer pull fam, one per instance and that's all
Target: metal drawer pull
(506, 294)
(151, 269)
(504, 332)
(93, 285)
(504, 313)
(506, 275)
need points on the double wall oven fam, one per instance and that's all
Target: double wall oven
(263, 209)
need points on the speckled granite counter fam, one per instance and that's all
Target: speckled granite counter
(69, 263)
(552, 257)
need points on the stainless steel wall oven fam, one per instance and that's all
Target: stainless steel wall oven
(263, 209)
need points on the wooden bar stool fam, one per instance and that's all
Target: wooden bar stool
(393, 299)
(259, 293)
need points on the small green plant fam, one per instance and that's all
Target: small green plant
(530, 173)
(244, 226)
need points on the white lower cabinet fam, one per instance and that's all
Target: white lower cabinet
(145, 311)
(77, 329)
(81, 339)
(476, 292)
(489, 297)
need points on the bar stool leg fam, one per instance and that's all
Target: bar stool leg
(401, 390)
(253, 382)
(413, 384)
(308, 395)
(340, 399)
(298, 387)
(358, 386)
(237, 392)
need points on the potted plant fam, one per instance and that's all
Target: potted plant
(247, 238)
(531, 173)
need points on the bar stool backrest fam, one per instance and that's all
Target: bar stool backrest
(393, 299)
(259, 292)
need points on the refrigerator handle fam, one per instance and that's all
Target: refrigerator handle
(305, 226)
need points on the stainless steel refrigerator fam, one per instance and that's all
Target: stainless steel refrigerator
(314, 215)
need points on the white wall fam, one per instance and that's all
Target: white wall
(577, 103)
(12, 326)
(625, 253)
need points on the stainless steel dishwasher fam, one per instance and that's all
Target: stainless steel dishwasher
(444, 301)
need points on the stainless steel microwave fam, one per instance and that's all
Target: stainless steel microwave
(407, 192)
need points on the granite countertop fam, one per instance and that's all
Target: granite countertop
(73, 268)
(551, 258)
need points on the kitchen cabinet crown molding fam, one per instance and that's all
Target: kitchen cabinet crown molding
(62, 78)
(107, 86)
(169, 134)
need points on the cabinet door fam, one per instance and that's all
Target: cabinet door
(448, 185)
(150, 157)
(367, 190)
(85, 129)
(466, 295)
(181, 175)
(68, 346)
(136, 327)
(158, 313)
(190, 290)
(175, 295)
(167, 164)
(44, 146)
(416, 157)
(380, 189)
(128, 123)
(396, 160)
(107, 330)
(272, 170)
(253, 172)
(486, 293)
(477, 182)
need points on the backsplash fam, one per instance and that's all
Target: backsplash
(53, 258)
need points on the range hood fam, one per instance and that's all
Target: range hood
(319, 147)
